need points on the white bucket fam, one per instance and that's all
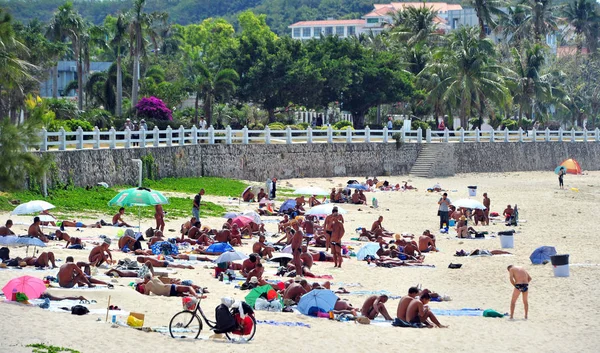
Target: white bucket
(472, 190)
(561, 271)
(507, 241)
(560, 265)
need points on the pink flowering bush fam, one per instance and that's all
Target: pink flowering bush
(153, 108)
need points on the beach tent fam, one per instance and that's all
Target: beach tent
(541, 254)
(572, 166)
(258, 292)
(317, 300)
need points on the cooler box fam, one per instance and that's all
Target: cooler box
(560, 265)
(472, 190)
(507, 241)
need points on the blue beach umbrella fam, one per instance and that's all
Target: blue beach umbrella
(20, 241)
(557, 169)
(541, 254)
(220, 247)
(289, 204)
(316, 300)
(369, 249)
(358, 187)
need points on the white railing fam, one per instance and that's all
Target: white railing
(97, 139)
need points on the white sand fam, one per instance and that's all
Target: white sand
(564, 312)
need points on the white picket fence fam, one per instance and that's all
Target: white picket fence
(111, 139)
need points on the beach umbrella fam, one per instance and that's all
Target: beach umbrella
(468, 203)
(311, 190)
(20, 241)
(282, 255)
(230, 214)
(46, 218)
(541, 254)
(30, 286)
(289, 204)
(219, 247)
(242, 221)
(572, 166)
(358, 186)
(32, 207)
(369, 249)
(258, 292)
(138, 197)
(230, 256)
(252, 214)
(287, 250)
(164, 248)
(558, 169)
(325, 209)
(317, 300)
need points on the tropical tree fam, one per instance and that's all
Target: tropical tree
(68, 23)
(469, 77)
(118, 43)
(209, 86)
(415, 25)
(138, 22)
(513, 26)
(488, 12)
(542, 18)
(583, 20)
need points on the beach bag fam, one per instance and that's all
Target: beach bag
(79, 310)
(225, 320)
(4, 254)
(149, 232)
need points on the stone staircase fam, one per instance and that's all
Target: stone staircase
(426, 160)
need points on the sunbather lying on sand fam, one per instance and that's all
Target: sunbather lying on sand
(140, 273)
(482, 252)
(60, 235)
(161, 263)
(49, 296)
(390, 262)
(71, 275)
(157, 287)
(77, 224)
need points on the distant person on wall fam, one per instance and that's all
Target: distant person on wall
(143, 125)
(273, 189)
(443, 209)
(202, 123)
(390, 125)
(196, 206)
(441, 125)
(135, 137)
(128, 125)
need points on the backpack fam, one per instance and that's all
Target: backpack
(225, 321)
(79, 310)
(4, 254)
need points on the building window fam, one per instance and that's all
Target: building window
(306, 32)
(317, 32)
(351, 30)
(339, 30)
(372, 20)
(296, 32)
(328, 31)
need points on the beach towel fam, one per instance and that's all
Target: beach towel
(457, 312)
(282, 323)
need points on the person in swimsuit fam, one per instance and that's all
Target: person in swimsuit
(60, 235)
(159, 263)
(261, 248)
(5, 230)
(418, 313)
(101, 254)
(375, 305)
(520, 279)
(117, 220)
(338, 231)
(35, 230)
(561, 174)
(42, 260)
(71, 275)
(154, 285)
(297, 238)
(159, 216)
(144, 269)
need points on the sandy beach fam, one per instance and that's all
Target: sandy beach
(563, 314)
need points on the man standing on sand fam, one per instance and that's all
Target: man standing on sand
(297, 238)
(444, 202)
(159, 216)
(337, 232)
(520, 279)
(196, 206)
(273, 189)
(486, 212)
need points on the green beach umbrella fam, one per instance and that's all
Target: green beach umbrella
(138, 197)
(257, 292)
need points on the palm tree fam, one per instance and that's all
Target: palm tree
(211, 86)
(530, 87)
(68, 23)
(541, 19)
(138, 22)
(513, 26)
(415, 24)
(583, 19)
(487, 11)
(118, 43)
(469, 78)
(157, 29)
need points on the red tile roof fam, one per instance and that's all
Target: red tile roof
(438, 6)
(328, 23)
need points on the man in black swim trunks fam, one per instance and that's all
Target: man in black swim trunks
(520, 279)
(297, 238)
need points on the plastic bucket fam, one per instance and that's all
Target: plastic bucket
(472, 190)
(560, 265)
(507, 241)
(452, 223)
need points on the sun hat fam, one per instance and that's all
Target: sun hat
(107, 241)
(253, 279)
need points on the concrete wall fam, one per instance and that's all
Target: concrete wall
(248, 162)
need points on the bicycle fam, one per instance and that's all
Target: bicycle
(187, 324)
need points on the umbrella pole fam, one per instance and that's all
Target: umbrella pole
(107, 307)
(139, 219)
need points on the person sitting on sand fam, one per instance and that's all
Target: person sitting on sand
(405, 301)
(35, 230)
(378, 230)
(382, 247)
(155, 286)
(300, 202)
(285, 222)
(51, 223)
(70, 275)
(409, 248)
(356, 198)
(101, 254)
(427, 242)
(128, 242)
(312, 201)
(262, 249)
(508, 213)
(42, 260)
(249, 264)
(5, 230)
(117, 220)
(161, 263)
(262, 195)
(462, 229)
(408, 187)
(478, 216)
(248, 195)
(375, 305)
(419, 313)
(185, 228)
(235, 236)
(362, 196)
(228, 223)
(71, 241)
(257, 272)
(295, 291)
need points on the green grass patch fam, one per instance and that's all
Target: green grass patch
(211, 185)
(43, 348)
(76, 201)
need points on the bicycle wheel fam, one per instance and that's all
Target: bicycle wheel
(185, 324)
(245, 331)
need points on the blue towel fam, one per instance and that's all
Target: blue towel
(460, 312)
(283, 323)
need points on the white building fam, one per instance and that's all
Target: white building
(315, 29)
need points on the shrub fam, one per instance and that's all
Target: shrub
(341, 125)
(302, 126)
(415, 124)
(398, 124)
(63, 108)
(256, 126)
(526, 124)
(153, 108)
(276, 126)
(101, 118)
(510, 124)
(73, 124)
